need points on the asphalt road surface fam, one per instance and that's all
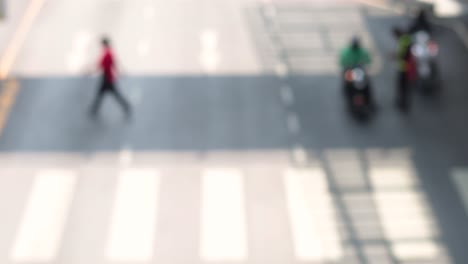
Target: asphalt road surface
(239, 148)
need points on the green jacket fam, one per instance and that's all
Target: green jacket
(403, 52)
(350, 57)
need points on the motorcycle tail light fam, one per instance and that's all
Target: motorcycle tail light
(358, 100)
(349, 76)
(433, 48)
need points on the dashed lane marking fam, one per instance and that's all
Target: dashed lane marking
(294, 126)
(287, 96)
(299, 155)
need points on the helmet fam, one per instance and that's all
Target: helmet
(355, 42)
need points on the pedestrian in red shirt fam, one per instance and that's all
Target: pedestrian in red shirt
(108, 71)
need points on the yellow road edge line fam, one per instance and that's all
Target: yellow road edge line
(11, 86)
(7, 99)
(19, 37)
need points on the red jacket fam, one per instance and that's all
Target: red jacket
(107, 65)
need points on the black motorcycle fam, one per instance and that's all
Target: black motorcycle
(425, 51)
(357, 89)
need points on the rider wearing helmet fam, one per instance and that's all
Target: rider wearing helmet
(355, 55)
(420, 22)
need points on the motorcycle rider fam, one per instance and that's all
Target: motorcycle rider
(404, 67)
(355, 55)
(420, 23)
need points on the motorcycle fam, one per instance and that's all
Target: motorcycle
(424, 52)
(357, 90)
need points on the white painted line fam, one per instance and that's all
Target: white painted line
(133, 219)
(125, 157)
(223, 230)
(294, 126)
(402, 208)
(281, 70)
(287, 95)
(41, 228)
(407, 251)
(386, 178)
(383, 5)
(79, 54)
(460, 180)
(299, 155)
(448, 8)
(404, 213)
(312, 216)
(209, 54)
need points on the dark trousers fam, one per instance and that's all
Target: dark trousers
(109, 87)
(403, 93)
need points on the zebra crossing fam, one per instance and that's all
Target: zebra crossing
(307, 37)
(337, 210)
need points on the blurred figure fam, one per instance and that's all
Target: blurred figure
(424, 50)
(420, 23)
(404, 68)
(108, 70)
(354, 59)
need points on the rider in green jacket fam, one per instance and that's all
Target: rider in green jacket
(354, 55)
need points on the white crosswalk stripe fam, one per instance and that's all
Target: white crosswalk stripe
(223, 230)
(40, 232)
(219, 214)
(133, 219)
(312, 215)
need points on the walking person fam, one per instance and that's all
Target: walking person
(403, 58)
(108, 70)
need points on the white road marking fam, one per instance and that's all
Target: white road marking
(287, 95)
(383, 5)
(209, 55)
(281, 70)
(40, 232)
(299, 155)
(125, 157)
(223, 230)
(312, 216)
(415, 250)
(79, 54)
(448, 8)
(294, 126)
(133, 219)
(404, 213)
